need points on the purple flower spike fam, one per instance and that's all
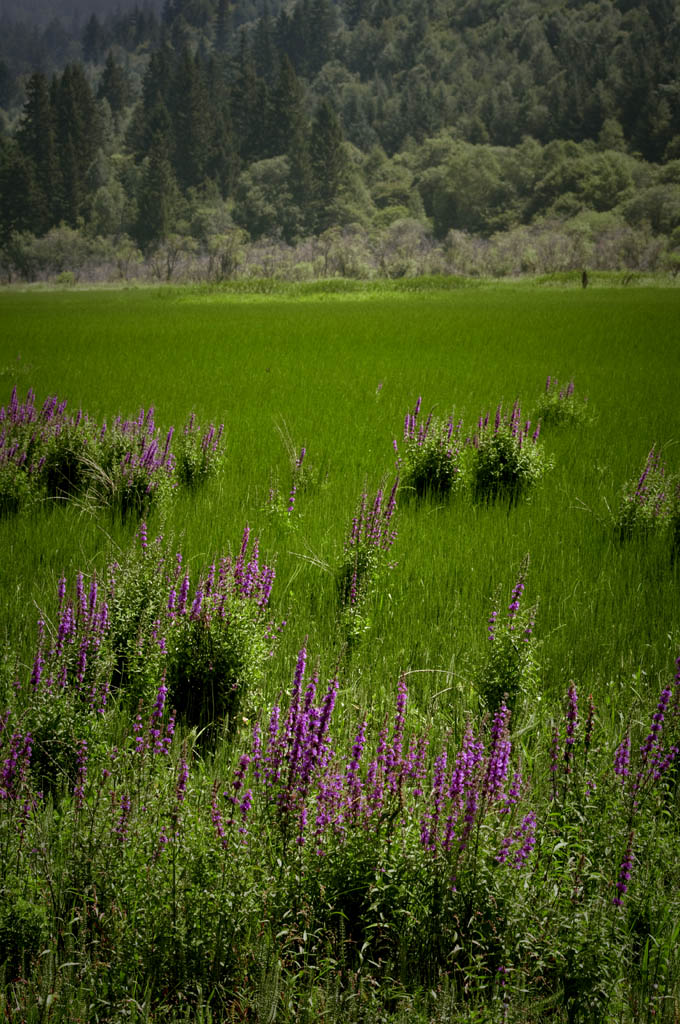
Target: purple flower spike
(572, 723)
(499, 755)
(624, 872)
(622, 758)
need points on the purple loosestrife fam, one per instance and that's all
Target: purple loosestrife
(394, 762)
(651, 753)
(514, 793)
(429, 828)
(353, 785)
(515, 597)
(625, 869)
(121, 826)
(516, 848)
(15, 767)
(81, 767)
(498, 758)
(572, 725)
(622, 758)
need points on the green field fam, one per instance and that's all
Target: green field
(337, 373)
(313, 367)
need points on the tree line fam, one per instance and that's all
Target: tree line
(287, 121)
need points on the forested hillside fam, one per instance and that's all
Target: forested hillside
(282, 121)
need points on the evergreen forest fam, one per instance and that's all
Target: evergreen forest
(355, 137)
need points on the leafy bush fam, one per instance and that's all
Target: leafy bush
(127, 467)
(364, 559)
(509, 672)
(145, 625)
(507, 459)
(559, 405)
(198, 453)
(15, 488)
(649, 503)
(432, 460)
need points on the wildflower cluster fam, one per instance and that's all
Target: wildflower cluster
(507, 458)
(147, 623)
(501, 458)
(558, 404)
(127, 466)
(198, 453)
(509, 671)
(432, 460)
(282, 503)
(321, 796)
(651, 503)
(365, 557)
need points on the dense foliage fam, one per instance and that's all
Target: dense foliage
(209, 119)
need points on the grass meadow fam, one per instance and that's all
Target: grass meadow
(536, 879)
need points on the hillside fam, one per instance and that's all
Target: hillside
(292, 119)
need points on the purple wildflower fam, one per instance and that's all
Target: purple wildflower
(121, 827)
(81, 764)
(624, 872)
(622, 758)
(572, 723)
(499, 755)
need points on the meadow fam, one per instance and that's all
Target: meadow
(446, 788)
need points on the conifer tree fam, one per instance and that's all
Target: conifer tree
(327, 165)
(287, 110)
(37, 140)
(190, 112)
(113, 85)
(78, 135)
(22, 207)
(223, 26)
(159, 197)
(93, 40)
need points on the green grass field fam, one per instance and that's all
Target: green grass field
(313, 368)
(337, 373)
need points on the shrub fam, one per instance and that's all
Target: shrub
(15, 489)
(145, 625)
(364, 559)
(198, 453)
(128, 467)
(649, 503)
(507, 459)
(559, 405)
(432, 461)
(218, 640)
(509, 672)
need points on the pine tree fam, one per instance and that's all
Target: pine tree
(113, 85)
(287, 109)
(22, 207)
(355, 11)
(327, 166)
(264, 47)
(36, 137)
(151, 113)
(93, 40)
(78, 136)
(159, 197)
(223, 26)
(191, 113)
(249, 103)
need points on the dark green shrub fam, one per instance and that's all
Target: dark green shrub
(507, 458)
